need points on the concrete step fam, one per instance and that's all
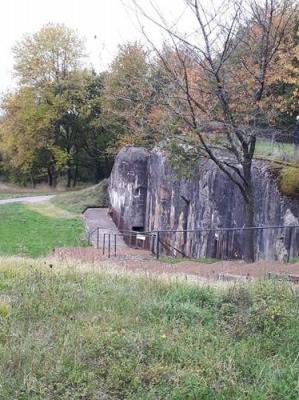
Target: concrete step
(99, 223)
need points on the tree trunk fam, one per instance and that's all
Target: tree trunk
(75, 176)
(50, 177)
(32, 181)
(98, 172)
(249, 234)
(69, 177)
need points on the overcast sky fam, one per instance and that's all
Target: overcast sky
(104, 24)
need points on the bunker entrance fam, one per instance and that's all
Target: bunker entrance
(138, 228)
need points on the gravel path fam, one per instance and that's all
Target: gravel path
(30, 199)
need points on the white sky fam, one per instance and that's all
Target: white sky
(108, 20)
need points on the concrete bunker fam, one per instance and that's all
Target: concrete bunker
(146, 195)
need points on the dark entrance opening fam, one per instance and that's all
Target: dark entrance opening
(138, 228)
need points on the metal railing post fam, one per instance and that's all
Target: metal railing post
(104, 242)
(290, 244)
(227, 245)
(158, 245)
(115, 245)
(98, 238)
(173, 245)
(109, 245)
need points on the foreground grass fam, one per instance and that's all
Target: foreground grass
(76, 202)
(35, 230)
(68, 334)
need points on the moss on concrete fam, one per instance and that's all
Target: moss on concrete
(289, 181)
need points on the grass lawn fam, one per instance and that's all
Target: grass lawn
(277, 151)
(34, 230)
(73, 332)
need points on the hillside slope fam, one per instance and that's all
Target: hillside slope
(94, 196)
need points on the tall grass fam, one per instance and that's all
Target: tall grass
(70, 334)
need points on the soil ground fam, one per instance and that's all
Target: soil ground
(141, 261)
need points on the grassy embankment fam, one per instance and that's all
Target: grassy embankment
(69, 335)
(35, 229)
(76, 202)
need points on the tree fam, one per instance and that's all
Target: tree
(49, 55)
(285, 79)
(100, 128)
(222, 74)
(53, 123)
(40, 126)
(24, 132)
(129, 96)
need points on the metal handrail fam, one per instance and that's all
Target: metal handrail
(242, 228)
(156, 234)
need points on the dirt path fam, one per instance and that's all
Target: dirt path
(141, 261)
(29, 199)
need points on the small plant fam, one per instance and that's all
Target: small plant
(4, 309)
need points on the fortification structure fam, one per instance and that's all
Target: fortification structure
(146, 195)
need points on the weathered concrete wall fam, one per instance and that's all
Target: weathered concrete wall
(209, 200)
(128, 188)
